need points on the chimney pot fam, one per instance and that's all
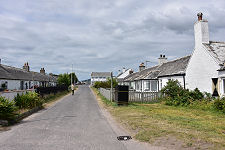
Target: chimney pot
(142, 66)
(162, 59)
(199, 16)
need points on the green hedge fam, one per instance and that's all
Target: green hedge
(7, 109)
(106, 84)
(28, 100)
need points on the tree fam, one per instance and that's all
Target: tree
(65, 79)
(74, 78)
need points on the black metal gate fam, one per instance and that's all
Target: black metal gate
(122, 94)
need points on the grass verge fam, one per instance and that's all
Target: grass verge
(158, 123)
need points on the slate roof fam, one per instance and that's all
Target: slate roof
(175, 67)
(217, 50)
(12, 73)
(101, 74)
(122, 73)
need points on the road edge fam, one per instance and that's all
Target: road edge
(120, 130)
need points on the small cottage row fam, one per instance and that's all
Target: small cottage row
(204, 69)
(12, 78)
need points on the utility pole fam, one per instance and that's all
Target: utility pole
(111, 91)
(71, 75)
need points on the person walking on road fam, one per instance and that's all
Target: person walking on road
(72, 88)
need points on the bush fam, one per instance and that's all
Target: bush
(177, 95)
(28, 100)
(219, 104)
(7, 109)
(106, 84)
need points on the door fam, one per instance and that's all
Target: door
(21, 85)
(215, 87)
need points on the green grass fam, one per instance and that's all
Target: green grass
(196, 127)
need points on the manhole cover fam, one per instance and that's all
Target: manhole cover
(124, 138)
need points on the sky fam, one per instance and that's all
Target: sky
(101, 35)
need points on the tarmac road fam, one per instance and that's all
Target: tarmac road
(74, 123)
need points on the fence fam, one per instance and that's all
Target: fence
(106, 93)
(134, 96)
(48, 90)
(143, 96)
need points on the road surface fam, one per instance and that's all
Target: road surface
(74, 123)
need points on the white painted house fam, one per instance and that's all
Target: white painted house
(123, 74)
(100, 76)
(204, 68)
(12, 78)
(154, 78)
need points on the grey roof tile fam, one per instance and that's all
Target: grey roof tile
(175, 67)
(12, 73)
(217, 50)
(101, 74)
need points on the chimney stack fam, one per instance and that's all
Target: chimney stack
(124, 69)
(131, 71)
(141, 67)
(162, 59)
(201, 31)
(26, 67)
(42, 71)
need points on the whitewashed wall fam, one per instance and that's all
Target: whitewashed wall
(12, 94)
(163, 81)
(95, 79)
(125, 74)
(11, 84)
(200, 71)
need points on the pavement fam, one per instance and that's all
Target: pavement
(73, 123)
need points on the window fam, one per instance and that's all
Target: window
(161, 84)
(132, 84)
(154, 85)
(224, 86)
(147, 85)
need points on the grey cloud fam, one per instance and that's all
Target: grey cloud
(101, 35)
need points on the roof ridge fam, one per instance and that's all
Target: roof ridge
(167, 62)
(216, 42)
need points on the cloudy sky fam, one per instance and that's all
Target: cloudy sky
(101, 35)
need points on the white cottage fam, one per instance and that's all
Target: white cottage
(100, 76)
(13, 78)
(204, 69)
(154, 78)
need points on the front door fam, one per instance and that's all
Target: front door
(21, 85)
(215, 87)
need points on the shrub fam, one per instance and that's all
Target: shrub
(177, 95)
(28, 100)
(196, 94)
(219, 104)
(7, 109)
(106, 84)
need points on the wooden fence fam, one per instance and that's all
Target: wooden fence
(134, 96)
